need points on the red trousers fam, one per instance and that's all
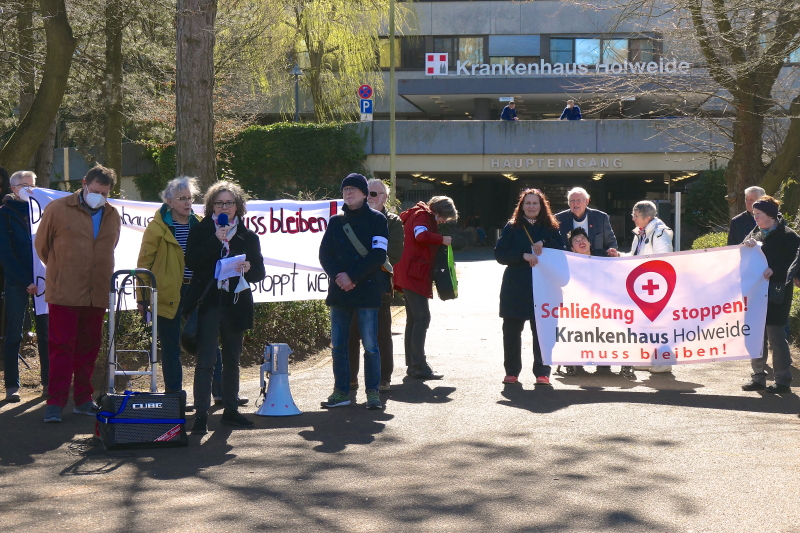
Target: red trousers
(76, 334)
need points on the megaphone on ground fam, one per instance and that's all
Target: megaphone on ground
(278, 399)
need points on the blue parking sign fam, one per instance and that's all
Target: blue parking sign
(366, 106)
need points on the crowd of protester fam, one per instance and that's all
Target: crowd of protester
(368, 253)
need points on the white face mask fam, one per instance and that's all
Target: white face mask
(240, 287)
(93, 199)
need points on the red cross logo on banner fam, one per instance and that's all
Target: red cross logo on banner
(436, 64)
(650, 286)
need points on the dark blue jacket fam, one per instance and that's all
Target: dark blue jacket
(741, 226)
(16, 252)
(508, 113)
(571, 114)
(516, 292)
(601, 236)
(337, 254)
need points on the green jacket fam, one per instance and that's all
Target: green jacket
(162, 255)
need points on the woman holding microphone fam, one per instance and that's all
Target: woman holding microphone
(532, 227)
(225, 305)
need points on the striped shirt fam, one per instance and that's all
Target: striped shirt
(181, 235)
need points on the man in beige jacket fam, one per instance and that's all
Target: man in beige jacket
(76, 240)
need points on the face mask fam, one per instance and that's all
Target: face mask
(241, 286)
(93, 199)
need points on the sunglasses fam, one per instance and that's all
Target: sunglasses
(374, 194)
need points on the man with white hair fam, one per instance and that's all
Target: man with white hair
(595, 223)
(743, 223)
(17, 261)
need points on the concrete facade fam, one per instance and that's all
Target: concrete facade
(619, 146)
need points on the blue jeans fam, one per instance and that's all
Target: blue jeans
(340, 338)
(16, 303)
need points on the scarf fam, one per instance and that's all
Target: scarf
(224, 284)
(580, 219)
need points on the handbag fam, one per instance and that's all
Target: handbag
(385, 276)
(189, 331)
(444, 273)
(776, 292)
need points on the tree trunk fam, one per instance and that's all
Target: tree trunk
(113, 89)
(194, 131)
(784, 168)
(746, 166)
(34, 127)
(43, 160)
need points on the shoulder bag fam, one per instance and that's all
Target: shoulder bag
(189, 331)
(385, 274)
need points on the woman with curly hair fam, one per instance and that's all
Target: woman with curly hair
(531, 228)
(225, 311)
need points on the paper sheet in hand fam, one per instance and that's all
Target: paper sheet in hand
(226, 268)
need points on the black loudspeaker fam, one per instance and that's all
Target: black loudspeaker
(142, 420)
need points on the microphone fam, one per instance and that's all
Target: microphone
(222, 219)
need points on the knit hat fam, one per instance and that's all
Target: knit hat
(356, 180)
(768, 208)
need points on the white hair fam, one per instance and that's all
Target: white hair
(761, 192)
(578, 190)
(646, 208)
(19, 175)
(177, 184)
(376, 180)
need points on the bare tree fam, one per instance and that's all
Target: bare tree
(738, 49)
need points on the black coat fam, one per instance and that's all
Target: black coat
(337, 254)
(203, 250)
(741, 226)
(516, 293)
(780, 248)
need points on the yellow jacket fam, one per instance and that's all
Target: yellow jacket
(162, 255)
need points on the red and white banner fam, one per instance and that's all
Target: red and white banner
(290, 234)
(688, 307)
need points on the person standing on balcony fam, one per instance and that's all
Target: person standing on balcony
(571, 112)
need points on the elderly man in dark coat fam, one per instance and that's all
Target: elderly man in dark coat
(743, 223)
(595, 223)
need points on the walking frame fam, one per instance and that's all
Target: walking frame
(130, 284)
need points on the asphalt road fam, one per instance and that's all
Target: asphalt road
(688, 452)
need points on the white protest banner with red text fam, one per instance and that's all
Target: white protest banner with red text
(688, 307)
(290, 234)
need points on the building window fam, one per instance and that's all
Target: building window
(561, 50)
(447, 45)
(587, 51)
(384, 53)
(470, 50)
(412, 50)
(641, 50)
(615, 50)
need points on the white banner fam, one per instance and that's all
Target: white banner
(687, 307)
(290, 234)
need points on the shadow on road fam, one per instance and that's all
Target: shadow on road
(668, 391)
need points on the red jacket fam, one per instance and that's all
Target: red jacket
(421, 239)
